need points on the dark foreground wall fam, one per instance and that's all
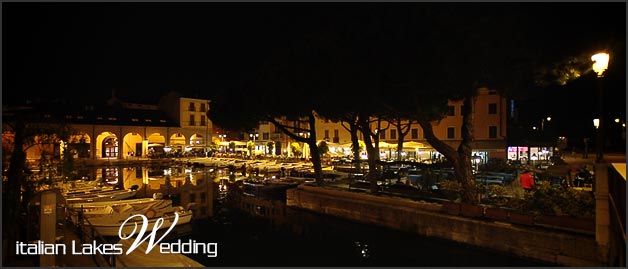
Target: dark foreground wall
(562, 248)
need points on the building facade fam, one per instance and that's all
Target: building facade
(489, 113)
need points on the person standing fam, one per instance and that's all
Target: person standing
(527, 181)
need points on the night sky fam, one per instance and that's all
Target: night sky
(83, 51)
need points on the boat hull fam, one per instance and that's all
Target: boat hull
(114, 228)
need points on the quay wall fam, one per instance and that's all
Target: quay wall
(559, 247)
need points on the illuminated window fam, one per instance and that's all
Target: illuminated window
(148, 120)
(112, 118)
(162, 121)
(414, 133)
(99, 118)
(135, 120)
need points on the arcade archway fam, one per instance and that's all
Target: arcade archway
(107, 145)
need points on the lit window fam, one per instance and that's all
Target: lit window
(148, 120)
(135, 120)
(162, 121)
(112, 118)
(99, 118)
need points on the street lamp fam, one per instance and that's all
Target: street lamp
(254, 136)
(543, 122)
(600, 64)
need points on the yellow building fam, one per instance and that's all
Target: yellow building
(489, 122)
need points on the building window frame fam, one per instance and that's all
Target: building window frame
(192, 107)
(414, 133)
(451, 132)
(492, 132)
(492, 108)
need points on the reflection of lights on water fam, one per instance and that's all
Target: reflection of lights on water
(362, 249)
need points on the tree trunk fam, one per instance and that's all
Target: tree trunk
(460, 159)
(371, 152)
(315, 152)
(355, 147)
(15, 178)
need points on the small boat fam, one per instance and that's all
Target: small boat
(267, 187)
(120, 209)
(109, 226)
(101, 196)
(97, 205)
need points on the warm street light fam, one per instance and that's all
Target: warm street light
(596, 123)
(617, 120)
(600, 64)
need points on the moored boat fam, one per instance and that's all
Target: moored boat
(108, 226)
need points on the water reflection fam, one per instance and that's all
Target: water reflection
(186, 186)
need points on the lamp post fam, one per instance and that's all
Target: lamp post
(600, 64)
(548, 119)
(255, 135)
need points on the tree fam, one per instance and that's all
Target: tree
(296, 149)
(29, 130)
(323, 148)
(403, 128)
(270, 146)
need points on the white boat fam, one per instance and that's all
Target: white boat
(97, 205)
(108, 226)
(102, 196)
(119, 209)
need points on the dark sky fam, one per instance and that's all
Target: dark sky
(142, 50)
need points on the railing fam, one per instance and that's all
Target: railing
(617, 214)
(88, 233)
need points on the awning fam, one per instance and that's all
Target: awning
(412, 144)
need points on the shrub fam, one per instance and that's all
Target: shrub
(452, 190)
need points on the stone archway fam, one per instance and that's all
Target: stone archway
(80, 144)
(132, 145)
(107, 145)
(177, 142)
